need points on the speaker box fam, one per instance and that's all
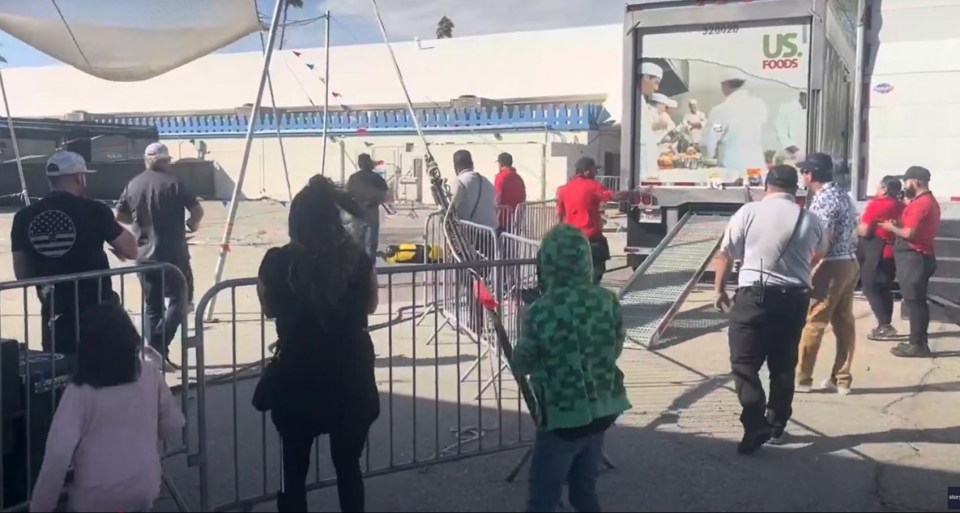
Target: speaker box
(38, 381)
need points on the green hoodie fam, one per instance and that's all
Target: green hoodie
(572, 337)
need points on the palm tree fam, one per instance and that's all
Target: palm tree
(445, 28)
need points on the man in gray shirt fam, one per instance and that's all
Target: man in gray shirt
(474, 198)
(778, 242)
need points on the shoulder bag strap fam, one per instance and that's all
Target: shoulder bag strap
(479, 196)
(793, 234)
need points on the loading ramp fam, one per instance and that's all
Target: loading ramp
(655, 292)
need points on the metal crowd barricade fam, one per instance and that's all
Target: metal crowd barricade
(533, 219)
(33, 378)
(516, 281)
(428, 414)
(463, 310)
(609, 182)
(433, 237)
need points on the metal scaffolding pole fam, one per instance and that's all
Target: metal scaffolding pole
(16, 146)
(326, 94)
(245, 161)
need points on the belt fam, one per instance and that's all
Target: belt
(778, 289)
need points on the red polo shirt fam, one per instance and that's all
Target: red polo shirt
(883, 209)
(923, 215)
(578, 204)
(510, 191)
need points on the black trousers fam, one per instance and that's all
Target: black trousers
(877, 275)
(766, 327)
(914, 271)
(346, 447)
(600, 251)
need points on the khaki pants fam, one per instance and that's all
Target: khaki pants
(831, 302)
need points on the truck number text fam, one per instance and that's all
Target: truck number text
(709, 30)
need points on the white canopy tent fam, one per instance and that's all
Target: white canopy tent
(119, 40)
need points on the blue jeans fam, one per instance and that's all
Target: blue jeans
(556, 462)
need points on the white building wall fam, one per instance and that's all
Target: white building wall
(265, 178)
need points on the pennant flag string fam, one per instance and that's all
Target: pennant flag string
(346, 108)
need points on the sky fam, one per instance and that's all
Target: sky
(353, 21)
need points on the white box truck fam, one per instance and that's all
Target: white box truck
(756, 82)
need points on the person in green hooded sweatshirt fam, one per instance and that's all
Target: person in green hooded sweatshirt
(571, 339)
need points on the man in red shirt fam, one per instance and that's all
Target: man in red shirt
(579, 203)
(914, 254)
(510, 191)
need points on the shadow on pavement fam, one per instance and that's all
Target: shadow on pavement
(659, 466)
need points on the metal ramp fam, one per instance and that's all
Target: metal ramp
(653, 295)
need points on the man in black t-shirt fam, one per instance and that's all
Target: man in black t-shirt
(370, 190)
(64, 233)
(153, 204)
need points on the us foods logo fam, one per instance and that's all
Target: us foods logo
(781, 51)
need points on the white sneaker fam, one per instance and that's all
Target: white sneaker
(802, 389)
(830, 386)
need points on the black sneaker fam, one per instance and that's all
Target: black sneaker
(777, 434)
(753, 440)
(911, 351)
(884, 332)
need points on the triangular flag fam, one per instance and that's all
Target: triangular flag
(296, 53)
(310, 66)
(335, 94)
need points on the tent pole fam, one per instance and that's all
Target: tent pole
(251, 126)
(16, 147)
(326, 93)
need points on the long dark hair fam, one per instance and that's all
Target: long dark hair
(324, 256)
(109, 352)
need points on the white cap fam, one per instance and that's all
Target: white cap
(157, 150)
(66, 163)
(649, 68)
(671, 103)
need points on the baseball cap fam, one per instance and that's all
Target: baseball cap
(784, 177)
(505, 159)
(66, 163)
(816, 162)
(158, 150)
(917, 173)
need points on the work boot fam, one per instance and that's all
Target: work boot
(911, 351)
(753, 440)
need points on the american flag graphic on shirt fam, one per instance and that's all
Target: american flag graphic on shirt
(52, 233)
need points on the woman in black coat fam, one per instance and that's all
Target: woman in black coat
(320, 288)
